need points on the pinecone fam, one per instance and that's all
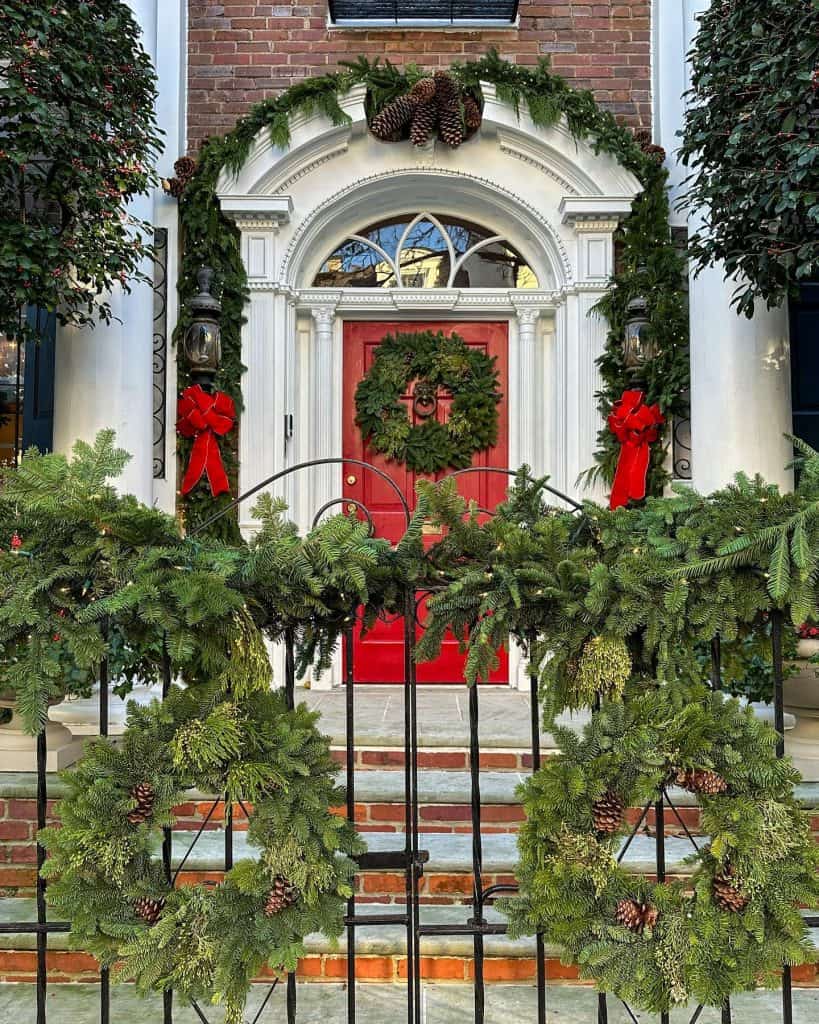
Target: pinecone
(702, 781)
(388, 124)
(726, 893)
(451, 127)
(148, 909)
(635, 915)
(608, 813)
(423, 91)
(145, 796)
(424, 121)
(184, 169)
(283, 895)
(472, 114)
(447, 93)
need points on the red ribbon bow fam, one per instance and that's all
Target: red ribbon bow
(636, 426)
(205, 417)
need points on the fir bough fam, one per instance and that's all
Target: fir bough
(691, 948)
(207, 942)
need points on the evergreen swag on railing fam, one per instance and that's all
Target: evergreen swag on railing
(612, 607)
(649, 264)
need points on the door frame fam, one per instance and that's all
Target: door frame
(318, 317)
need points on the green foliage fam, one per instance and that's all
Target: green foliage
(77, 139)
(208, 942)
(435, 362)
(750, 139)
(212, 240)
(570, 882)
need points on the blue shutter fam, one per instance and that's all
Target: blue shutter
(38, 383)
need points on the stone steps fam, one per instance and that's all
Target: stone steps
(441, 1004)
(380, 952)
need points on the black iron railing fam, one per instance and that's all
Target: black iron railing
(409, 858)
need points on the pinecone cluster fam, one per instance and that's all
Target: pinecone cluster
(283, 895)
(608, 813)
(727, 895)
(184, 169)
(701, 781)
(145, 798)
(636, 915)
(148, 909)
(435, 103)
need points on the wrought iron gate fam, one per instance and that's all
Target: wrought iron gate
(409, 858)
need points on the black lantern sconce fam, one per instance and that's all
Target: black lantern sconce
(639, 347)
(203, 339)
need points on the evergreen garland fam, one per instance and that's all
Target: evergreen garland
(433, 361)
(204, 942)
(655, 945)
(211, 239)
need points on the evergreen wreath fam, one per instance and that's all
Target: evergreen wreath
(736, 921)
(433, 361)
(203, 941)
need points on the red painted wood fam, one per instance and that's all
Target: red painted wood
(379, 655)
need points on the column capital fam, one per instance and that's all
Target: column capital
(324, 316)
(527, 316)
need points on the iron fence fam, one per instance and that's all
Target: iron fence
(410, 857)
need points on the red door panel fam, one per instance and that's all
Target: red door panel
(379, 656)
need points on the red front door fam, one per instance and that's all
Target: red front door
(379, 655)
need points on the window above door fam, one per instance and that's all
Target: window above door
(422, 13)
(425, 251)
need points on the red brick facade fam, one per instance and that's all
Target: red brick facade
(242, 52)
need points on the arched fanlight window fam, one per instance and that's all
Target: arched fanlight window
(425, 252)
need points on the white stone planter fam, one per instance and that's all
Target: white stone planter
(801, 692)
(18, 749)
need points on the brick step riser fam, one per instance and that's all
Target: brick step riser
(432, 757)
(21, 966)
(436, 888)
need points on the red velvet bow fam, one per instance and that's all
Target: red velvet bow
(205, 417)
(636, 426)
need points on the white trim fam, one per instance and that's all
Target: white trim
(429, 24)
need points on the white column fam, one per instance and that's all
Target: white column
(528, 412)
(326, 389)
(104, 375)
(740, 369)
(595, 259)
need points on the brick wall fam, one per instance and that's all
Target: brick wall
(242, 52)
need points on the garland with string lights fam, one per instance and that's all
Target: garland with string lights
(649, 263)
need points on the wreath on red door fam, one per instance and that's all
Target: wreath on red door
(425, 364)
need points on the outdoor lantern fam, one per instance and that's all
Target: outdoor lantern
(203, 339)
(638, 345)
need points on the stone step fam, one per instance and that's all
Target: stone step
(447, 853)
(441, 1004)
(380, 951)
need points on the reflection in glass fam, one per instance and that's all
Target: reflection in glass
(12, 371)
(435, 252)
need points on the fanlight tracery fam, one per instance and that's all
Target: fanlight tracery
(425, 251)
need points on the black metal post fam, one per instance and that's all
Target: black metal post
(534, 708)
(716, 663)
(602, 1008)
(411, 814)
(477, 850)
(105, 977)
(167, 833)
(659, 824)
(349, 681)
(290, 700)
(777, 619)
(42, 936)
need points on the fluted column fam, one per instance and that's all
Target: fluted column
(325, 434)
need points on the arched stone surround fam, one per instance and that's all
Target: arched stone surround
(550, 195)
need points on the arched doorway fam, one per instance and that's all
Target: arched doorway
(512, 231)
